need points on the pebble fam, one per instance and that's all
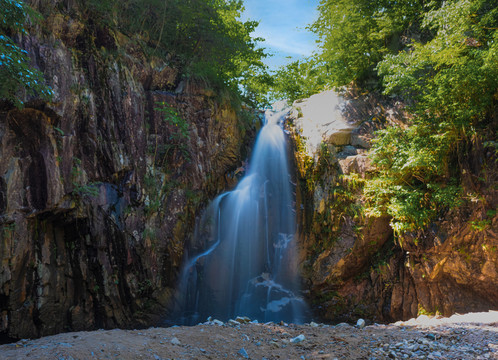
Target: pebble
(360, 323)
(298, 339)
(431, 336)
(342, 325)
(313, 324)
(175, 341)
(437, 348)
(242, 319)
(434, 342)
(242, 352)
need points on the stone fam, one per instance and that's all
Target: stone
(340, 137)
(242, 352)
(359, 164)
(242, 319)
(343, 325)
(431, 336)
(298, 339)
(175, 341)
(350, 150)
(360, 323)
(361, 141)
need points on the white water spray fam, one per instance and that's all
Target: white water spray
(249, 266)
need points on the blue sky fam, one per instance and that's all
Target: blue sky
(283, 25)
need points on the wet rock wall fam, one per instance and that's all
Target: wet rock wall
(98, 189)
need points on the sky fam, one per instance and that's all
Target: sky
(283, 24)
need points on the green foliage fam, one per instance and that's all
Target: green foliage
(149, 233)
(480, 225)
(256, 84)
(179, 135)
(299, 79)
(171, 117)
(346, 196)
(341, 202)
(356, 34)
(412, 184)
(485, 223)
(8, 230)
(87, 190)
(441, 57)
(423, 311)
(204, 39)
(452, 78)
(452, 82)
(15, 70)
(81, 190)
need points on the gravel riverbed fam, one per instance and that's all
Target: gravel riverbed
(470, 336)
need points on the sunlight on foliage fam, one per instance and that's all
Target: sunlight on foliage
(297, 80)
(356, 34)
(440, 58)
(451, 81)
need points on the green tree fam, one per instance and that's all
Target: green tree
(15, 70)
(356, 34)
(299, 79)
(204, 39)
(451, 81)
(441, 58)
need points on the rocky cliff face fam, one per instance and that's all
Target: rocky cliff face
(353, 265)
(99, 189)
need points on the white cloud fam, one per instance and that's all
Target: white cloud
(282, 24)
(291, 43)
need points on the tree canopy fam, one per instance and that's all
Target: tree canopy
(204, 39)
(439, 58)
(451, 81)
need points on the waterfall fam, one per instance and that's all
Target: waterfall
(249, 267)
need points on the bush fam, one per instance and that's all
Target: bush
(15, 70)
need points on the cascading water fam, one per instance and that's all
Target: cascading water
(249, 267)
